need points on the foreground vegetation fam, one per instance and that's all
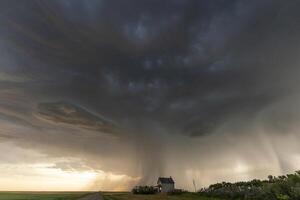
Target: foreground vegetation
(275, 188)
(130, 196)
(41, 195)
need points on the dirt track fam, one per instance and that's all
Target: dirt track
(94, 196)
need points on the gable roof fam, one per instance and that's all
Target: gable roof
(165, 180)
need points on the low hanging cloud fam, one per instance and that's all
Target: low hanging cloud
(70, 114)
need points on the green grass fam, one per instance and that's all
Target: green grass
(41, 195)
(129, 196)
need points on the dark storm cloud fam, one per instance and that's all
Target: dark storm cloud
(158, 69)
(145, 57)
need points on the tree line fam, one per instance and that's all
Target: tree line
(285, 187)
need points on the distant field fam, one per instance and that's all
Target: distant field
(41, 195)
(129, 196)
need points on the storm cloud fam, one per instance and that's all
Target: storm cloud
(191, 89)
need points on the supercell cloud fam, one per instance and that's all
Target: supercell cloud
(204, 90)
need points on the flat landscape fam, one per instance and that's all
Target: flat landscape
(129, 196)
(95, 196)
(42, 195)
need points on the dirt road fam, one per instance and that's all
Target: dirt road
(94, 196)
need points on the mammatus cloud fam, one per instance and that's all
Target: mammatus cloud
(191, 89)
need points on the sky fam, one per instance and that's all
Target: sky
(108, 94)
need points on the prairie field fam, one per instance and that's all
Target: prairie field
(130, 196)
(41, 195)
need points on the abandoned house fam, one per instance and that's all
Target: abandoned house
(165, 185)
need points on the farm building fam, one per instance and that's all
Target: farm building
(165, 185)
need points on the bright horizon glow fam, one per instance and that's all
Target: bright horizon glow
(43, 177)
(43, 173)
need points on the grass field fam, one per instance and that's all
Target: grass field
(129, 196)
(41, 195)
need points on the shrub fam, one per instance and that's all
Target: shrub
(275, 188)
(144, 190)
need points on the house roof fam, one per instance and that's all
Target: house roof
(165, 180)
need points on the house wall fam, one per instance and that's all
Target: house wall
(167, 188)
